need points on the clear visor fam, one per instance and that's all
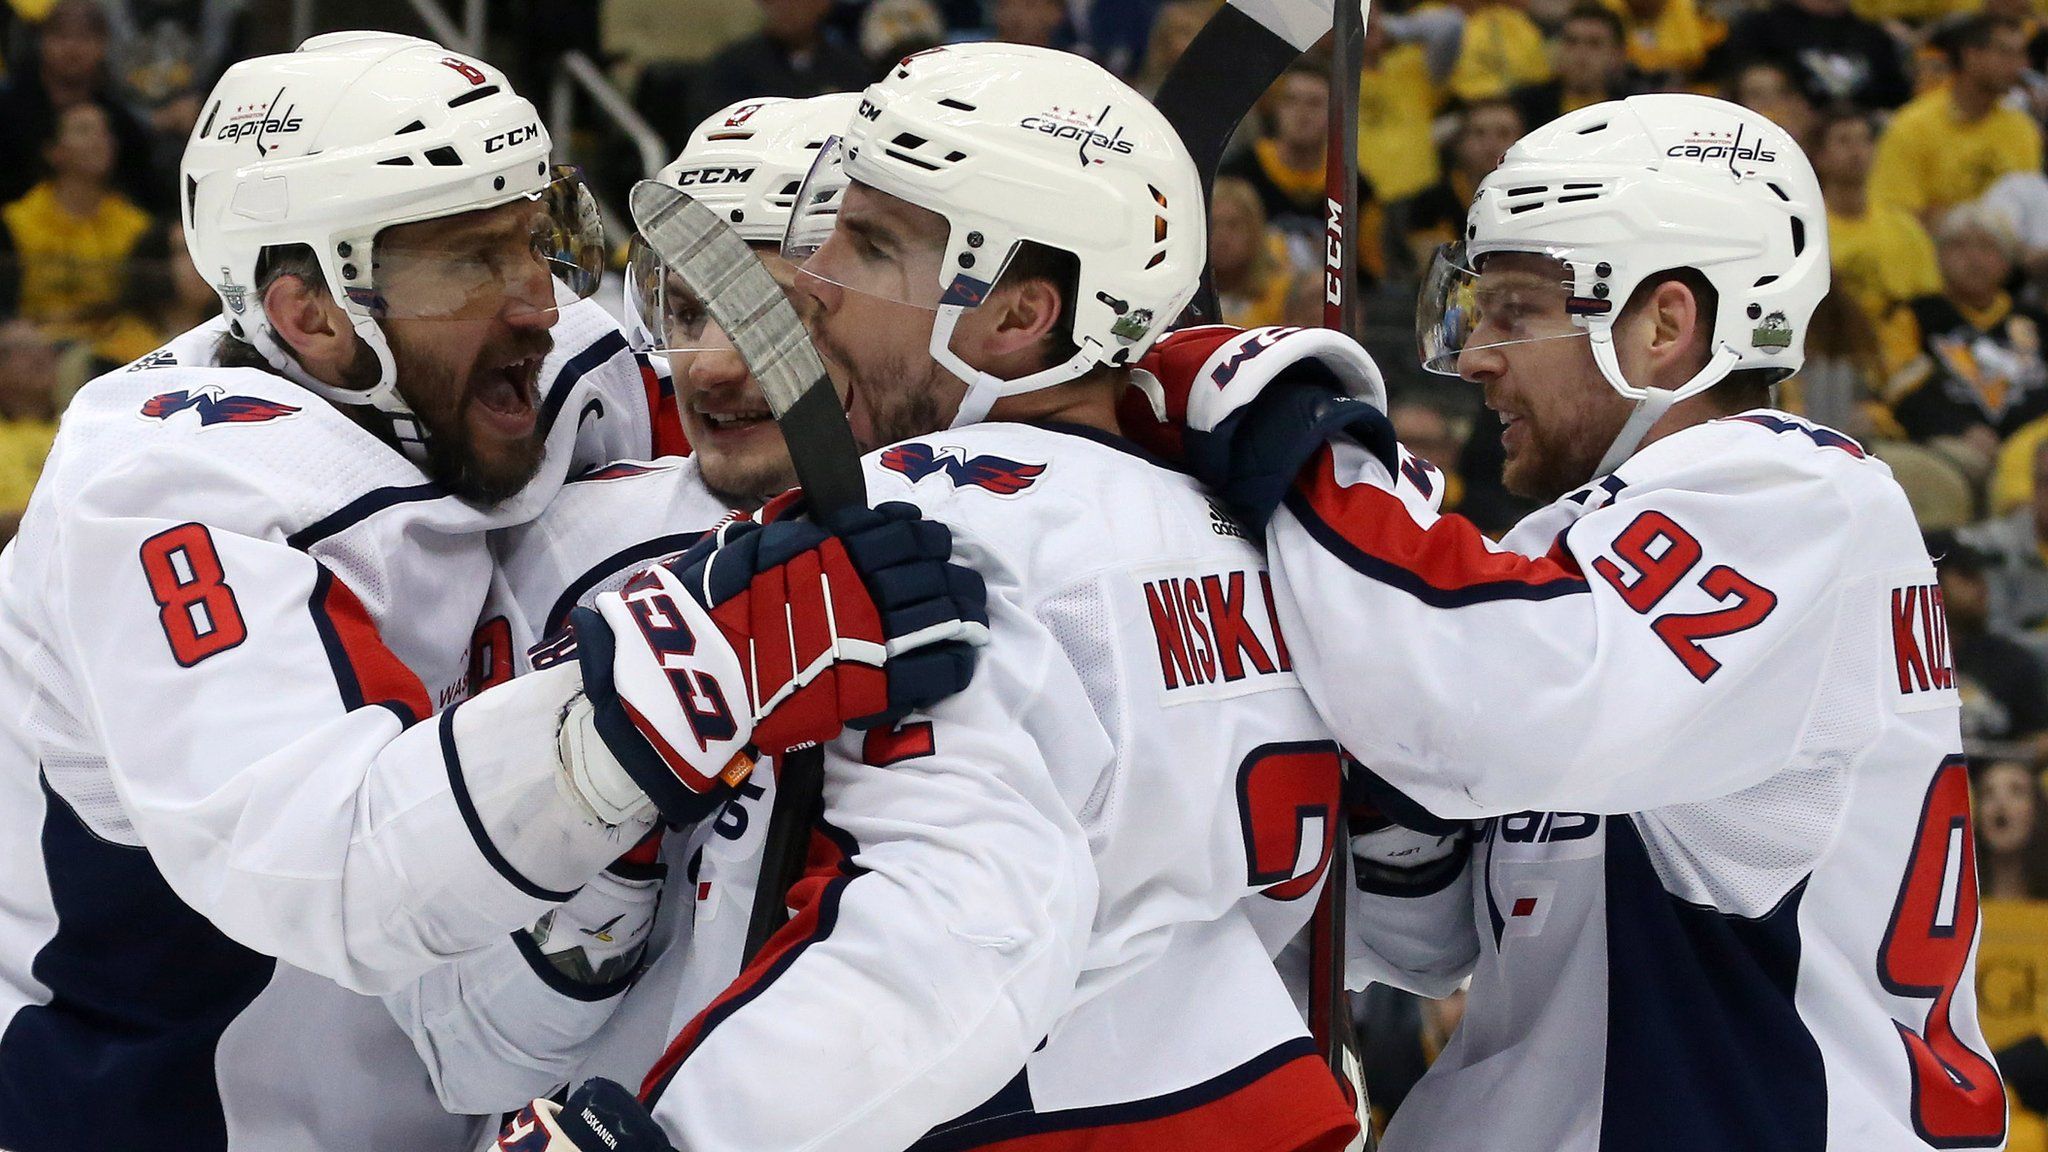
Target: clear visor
(662, 315)
(1510, 298)
(531, 254)
(860, 240)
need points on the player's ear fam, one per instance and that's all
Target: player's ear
(1661, 337)
(1676, 334)
(1027, 314)
(309, 322)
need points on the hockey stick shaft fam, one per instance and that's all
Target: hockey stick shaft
(1330, 1008)
(697, 244)
(1216, 83)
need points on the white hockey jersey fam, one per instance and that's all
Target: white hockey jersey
(226, 614)
(1725, 895)
(498, 1027)
(1082, 867)
(1051, 870)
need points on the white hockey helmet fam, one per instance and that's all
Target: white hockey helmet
(747, 161)
(353, 133)
(1012, 143)
(1621, 191)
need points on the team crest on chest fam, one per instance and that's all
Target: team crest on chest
(997, 474)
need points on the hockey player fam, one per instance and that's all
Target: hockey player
(536, 1029)
(1723, 894)
(746, 161)
(1044, 911)
(240, 590)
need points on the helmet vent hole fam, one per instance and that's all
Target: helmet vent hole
(212, 112)
(1763, 280)
(955, 157)
(397, 162)
(957, 105)
(1158, 197)
(1154, 262)
(1589, 129)
(1531, 191)
(1159, 229)
(1798, 235)
(1780, 192)
(1576, 187)
(415, 126)
(1518, 209)
(908, 140)
(444, 157)
(191, 200)
(913, 161)
(1578, 196)
(473, 95)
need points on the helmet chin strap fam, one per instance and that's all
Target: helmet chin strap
(404, 428)
(1651, 403)
(983, 390)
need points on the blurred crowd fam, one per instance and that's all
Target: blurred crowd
(1923, 119)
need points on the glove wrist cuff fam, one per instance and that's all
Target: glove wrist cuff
(593, 776)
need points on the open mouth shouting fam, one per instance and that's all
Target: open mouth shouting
(506, 399)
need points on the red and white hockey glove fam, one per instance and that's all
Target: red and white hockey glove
(1244, 408)
(768, 637)
(600, 1116)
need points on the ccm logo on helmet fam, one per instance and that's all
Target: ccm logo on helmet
(706, 177)
(515, 137)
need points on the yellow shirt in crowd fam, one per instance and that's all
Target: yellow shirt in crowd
(1929, 159)
(2012, 993)
(2012, 470)
(24, 445)
(1502, 50)
(1676, 40)
(1910, 11)
(1396, 102)
(72, 267)
(1264, 300)
(1883, 258)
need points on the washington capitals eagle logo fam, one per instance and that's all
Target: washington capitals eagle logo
(214, 407)
(990, 473)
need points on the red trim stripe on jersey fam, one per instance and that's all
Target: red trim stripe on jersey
(1284, 1100)
(815, 897)
(662, 416)
(368, 673)
(1446, 565)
